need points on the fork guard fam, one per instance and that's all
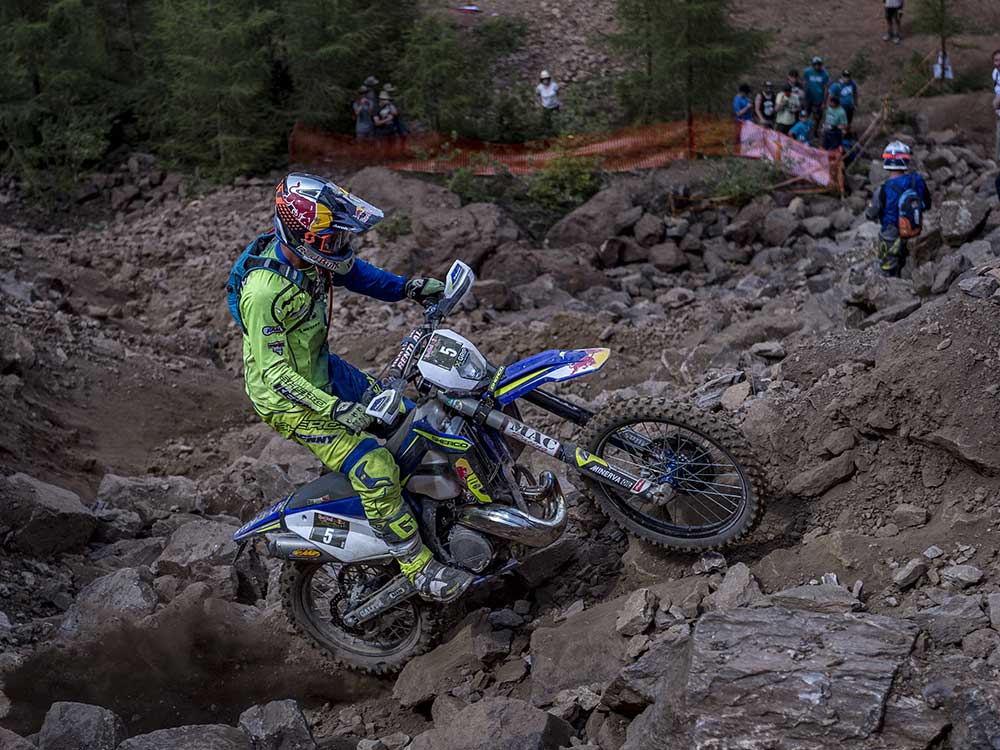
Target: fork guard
(516, 525)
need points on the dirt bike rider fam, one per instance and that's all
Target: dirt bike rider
(302, 390)
(888, 207)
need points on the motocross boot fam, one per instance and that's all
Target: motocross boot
(433, 580)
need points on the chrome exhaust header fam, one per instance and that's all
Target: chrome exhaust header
(516, 525)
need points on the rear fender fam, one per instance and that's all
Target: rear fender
(554, 365)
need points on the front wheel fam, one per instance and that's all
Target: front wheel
(316, 595)
(713, 486)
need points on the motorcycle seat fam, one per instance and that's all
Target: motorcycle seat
(329, 487)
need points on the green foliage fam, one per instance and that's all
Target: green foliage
(860, 66)
(394, 226)
(563, 183)
(58, 88)
(739, 181)
(445, 73)
(683, 55)
(209, 101)
(471, 189)
(938, 17)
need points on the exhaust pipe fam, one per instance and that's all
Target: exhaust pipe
(294, 547)
(516, 525)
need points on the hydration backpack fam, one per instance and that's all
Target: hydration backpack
(250, 260)
(911, 207)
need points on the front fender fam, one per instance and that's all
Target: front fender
(551, 366)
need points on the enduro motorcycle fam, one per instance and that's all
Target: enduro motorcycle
(665, 472)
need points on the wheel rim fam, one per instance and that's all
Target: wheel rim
(328, 592)
(710, 489)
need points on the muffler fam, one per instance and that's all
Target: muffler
(516, 525)
(294, 547)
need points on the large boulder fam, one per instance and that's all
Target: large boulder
(149, 495)
(196, 544)
(79, 726)
(470, 233)
(960, 220)
(278, 725)
(396, 192)
(11, 741)
(125, 595)
(446, 667)
(593, 222)
(502, 724)
(783, 677)
(45, 519)
(198, 737)
(779, 226)
(516, 265)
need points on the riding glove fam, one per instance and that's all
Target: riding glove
(423, 289)
(351, 415)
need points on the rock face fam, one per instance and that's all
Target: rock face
(961, 219)
(556, 652)
(148, 493)
(278, 725)
(126, 594)
(11, 741)
(593, 222)
(78, 726)
(196, 543)
(502, 724)
(443, 668)
(45, 519)
(200, 737)
(785, 678)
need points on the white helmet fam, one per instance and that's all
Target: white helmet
(896, 157)
(544, 75)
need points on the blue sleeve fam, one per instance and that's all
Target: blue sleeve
(365, 278)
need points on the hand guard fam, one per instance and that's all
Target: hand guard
(423, 289)
(351, 415)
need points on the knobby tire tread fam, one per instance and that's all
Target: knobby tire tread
(620, 413)
(291, 583)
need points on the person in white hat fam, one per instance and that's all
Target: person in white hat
(548, 91)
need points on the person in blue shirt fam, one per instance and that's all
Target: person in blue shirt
(742, 106)
(846, 89)
(816, 80)
(800, 130)
(884, 208)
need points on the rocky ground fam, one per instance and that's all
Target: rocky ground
(865, 610)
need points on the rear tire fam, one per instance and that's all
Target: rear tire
(359, 649)
(695, 430)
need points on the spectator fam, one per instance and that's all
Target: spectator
(816, 80)
(364, 126)
(996, 101)
(893, 21)
(834, 125)
(800, 130)
(401, 127)
(846, 89)
(742, 106)
(371, 83)
(385, 118)
(764, 105)
(548, 92)
(796, 83)
(788, 105)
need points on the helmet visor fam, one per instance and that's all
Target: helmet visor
(330, 249)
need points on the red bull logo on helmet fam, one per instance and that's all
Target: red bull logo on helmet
(294, 207)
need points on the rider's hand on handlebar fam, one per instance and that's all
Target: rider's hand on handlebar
(351, 415)
(424, 289)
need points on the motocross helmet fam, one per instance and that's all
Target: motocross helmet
(896, 157)
(315, 219)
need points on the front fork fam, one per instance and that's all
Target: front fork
(563, 450)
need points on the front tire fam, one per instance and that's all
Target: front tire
(313, 595)
(716, 485)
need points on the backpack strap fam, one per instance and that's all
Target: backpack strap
(284, 270)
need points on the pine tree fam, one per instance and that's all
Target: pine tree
(684, 55)
(209, 99)
(939, 18)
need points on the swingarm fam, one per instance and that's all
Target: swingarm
(563, 450)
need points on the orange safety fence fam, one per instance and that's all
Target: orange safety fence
(640, 147)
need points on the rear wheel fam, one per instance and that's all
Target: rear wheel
(315, 597)
(712, 485)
